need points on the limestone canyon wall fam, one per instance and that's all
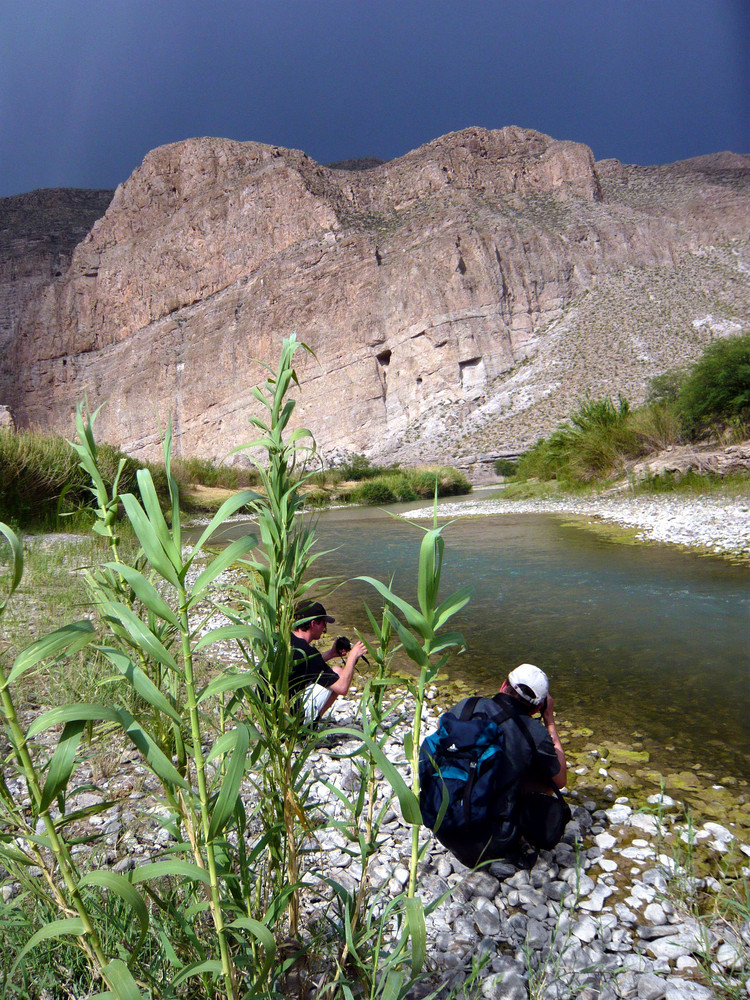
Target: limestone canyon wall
(38, 233)
(458, 300)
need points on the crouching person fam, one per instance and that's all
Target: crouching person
(490, 776)
(317, 681)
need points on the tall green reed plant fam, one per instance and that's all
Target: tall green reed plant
(228, 885)
(155, 645)
(424, 640)
(277, 576)
(151, 614)
(35, 836)
(386, 939)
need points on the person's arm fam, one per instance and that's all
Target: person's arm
(548, 718)
(330, 653)
(343, 684)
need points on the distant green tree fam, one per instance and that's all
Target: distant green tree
(505, 467)
(665, 388)
(717, 389)
(359, 467)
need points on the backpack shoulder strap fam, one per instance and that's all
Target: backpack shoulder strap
(468, 710)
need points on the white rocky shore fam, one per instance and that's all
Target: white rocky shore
(604, 916)
(710, 523)
(609, 914)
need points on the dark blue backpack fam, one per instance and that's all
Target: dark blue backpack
(462, 769)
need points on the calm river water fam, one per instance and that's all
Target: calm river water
(641, 639)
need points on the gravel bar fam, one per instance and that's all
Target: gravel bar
(720, 525)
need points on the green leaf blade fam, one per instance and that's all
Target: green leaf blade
(69, 640)
(224, 806)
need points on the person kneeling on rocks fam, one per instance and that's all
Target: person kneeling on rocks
(490, 776)
(318, 682)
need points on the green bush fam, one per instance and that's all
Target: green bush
(404, 485)
(423, 483)
(657, 426)
(594, 445)
(451, 482)
(717, 389)
(400, 484)
(316, 497)
(204, 472)
(359, 467)
(372, 492)
(665, 388)
(505, 467)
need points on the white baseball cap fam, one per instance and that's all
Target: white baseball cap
(530, 683)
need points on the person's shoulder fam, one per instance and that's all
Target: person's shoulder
(300, 644)
(480, 706)
(537, 730)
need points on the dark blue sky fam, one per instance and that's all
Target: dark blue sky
(87, 88)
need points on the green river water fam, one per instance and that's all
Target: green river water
(644, 644)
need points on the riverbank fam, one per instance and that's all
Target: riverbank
(711, 524)
(625, 906)
(631, 905)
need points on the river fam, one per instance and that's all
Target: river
(641, 642)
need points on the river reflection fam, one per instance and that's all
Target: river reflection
(636, 639)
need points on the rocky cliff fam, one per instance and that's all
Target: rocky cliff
(457, 300)
(38, 233)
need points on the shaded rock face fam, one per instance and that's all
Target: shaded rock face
(38, 233)
(457, 300)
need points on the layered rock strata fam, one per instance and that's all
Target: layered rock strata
(456, 300)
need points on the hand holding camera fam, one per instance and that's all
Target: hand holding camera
(343, 645)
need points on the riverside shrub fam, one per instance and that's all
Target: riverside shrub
(189, 471)
(405, 485)
(717, 388)
(596, 442)
(505, 467)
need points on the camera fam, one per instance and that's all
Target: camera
(343, 645)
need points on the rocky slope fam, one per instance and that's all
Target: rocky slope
(457, 300)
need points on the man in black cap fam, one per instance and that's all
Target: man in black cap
(313, 676)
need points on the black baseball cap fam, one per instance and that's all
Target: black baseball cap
(307, 611)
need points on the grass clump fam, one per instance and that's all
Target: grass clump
(40, 478)
(594, 445)
(404, 485)
(203, 472)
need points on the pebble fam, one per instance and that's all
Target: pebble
(598, 901)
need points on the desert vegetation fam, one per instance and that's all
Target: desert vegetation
(708, 402)
(42, 485)
(359, 481)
